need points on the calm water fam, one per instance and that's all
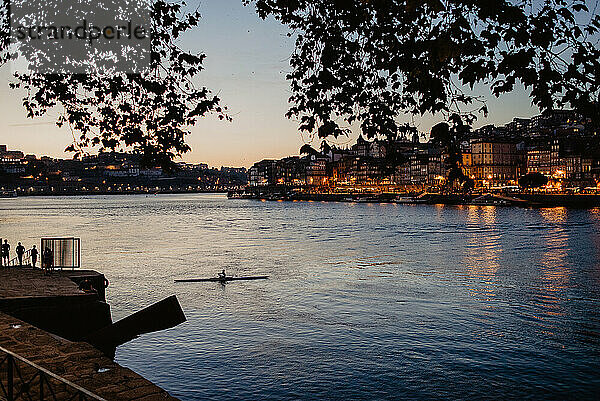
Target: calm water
(364, 301)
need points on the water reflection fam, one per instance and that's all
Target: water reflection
(595, 238)
(554, 215)
(554, 274)
(483, 249)
(554, 271)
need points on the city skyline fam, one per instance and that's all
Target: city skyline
(556, 150)
(246, 67)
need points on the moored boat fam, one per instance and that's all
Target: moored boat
(8, 194)
(490, 200)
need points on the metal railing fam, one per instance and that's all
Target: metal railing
(63, 253)
(21, 379)
(26, 260)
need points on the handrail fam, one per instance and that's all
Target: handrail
(81, 392)
(15, 261)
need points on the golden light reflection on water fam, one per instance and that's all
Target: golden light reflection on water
(554, 215)
(439, 210)
(595, 215)
(554, 274)
(482, 259)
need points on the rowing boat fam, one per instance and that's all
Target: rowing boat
(220, 279)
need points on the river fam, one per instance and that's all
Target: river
(364, 301)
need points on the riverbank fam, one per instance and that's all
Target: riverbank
(31, 302)
(76, 362)
(480, 199)
(21, 194)
(509, 199)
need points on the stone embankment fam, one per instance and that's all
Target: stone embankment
(28, 295)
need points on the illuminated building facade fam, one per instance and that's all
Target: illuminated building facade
(494, 161)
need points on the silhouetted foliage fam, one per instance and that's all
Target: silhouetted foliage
(364, 61)
(371, 61)
(449, 137)
(325, 148)
(533, 180)
(468, 185)
(393, 158)
(306, 149)
(148, 113)
(4, 31)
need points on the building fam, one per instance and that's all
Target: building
(316, 171)
(263, 173)
(539, 160)
(467, 162)
(419, 163)
(436, 166)
(122, 171)
(518, 125)
(402, 175)
(227, 170)
(556, 143)
(11, 161)
(10, 155)
(377, 149)
(341, 170)
(357, 170)
(291, 171)
(494, 162)
(362, 147)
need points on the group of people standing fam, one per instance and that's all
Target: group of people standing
(47, 256)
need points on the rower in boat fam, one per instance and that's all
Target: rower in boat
(221, 278)
(222, 275)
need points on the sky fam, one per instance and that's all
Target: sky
(247, 60)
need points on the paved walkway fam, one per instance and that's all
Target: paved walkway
(79, 363)
(17, 282)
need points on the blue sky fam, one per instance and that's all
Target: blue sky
(247, 60)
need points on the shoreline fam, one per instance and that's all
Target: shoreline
(534, 200)
(109, 193)
(45, 321)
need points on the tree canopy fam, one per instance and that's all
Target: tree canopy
(372, 61)
(148, 113)
(533, 180)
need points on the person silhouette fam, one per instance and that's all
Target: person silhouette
(5, 253)
(222, 274)
(20, 252)
(47, 259)
(34, 256)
